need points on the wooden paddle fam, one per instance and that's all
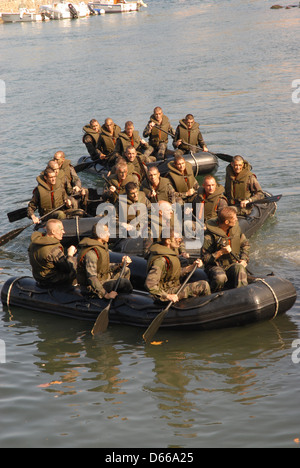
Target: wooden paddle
(16, 232)
(223, 156)
(156, 323)
(101, 324)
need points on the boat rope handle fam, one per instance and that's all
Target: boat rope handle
(77, 228)
(195, 161)
(9, 291)
(274, 294)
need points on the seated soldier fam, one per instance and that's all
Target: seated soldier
(157, 130)
(50, 266)
(211, 199)
(182, 178)
(131, 137)
(241, 185)
(127, 210)
(225, 251)
(47, 196)
(116, 183)
(70, 173)
(164, 273)
(157, 188)
(188, 137)
(95, 274)
(90, 138)
(134, 164)
(107, 141)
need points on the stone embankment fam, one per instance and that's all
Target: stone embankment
(14, 5)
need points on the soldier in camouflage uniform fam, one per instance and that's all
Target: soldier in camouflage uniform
(225, 251)
(95, 274)
(164, 273)
(241, 185)
(90, 138)
(50, 266)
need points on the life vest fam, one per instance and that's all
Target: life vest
(181, 183)
(103, 265)
(171, 276)
(158, 136)
(221, 239)
(50, 197)
(236, 185)
(209, 203)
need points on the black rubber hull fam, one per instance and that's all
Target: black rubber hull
(261, 300)
(203, 163)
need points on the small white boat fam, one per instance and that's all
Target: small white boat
(115, 6)
(65, 10)
(24, 15)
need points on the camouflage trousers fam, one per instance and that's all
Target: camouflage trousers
(198, 288)
(234, 276)
(125, 285)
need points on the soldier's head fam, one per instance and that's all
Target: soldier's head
(54, 166)
(165, 210)
(154, 175)
(121, 170)
(179, 163)
(129, 127)
(132, 191)
(209, 184)
(171, 239)
(227, 217)
(130, 153)
(109, 125)
(158, 114)
(237, 164)
(94, 124)
(189, 120)
(50, 176)
(101, 232)
(59, 157)
(55, 229)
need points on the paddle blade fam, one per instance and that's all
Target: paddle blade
(17, 215)
(11, 235)
(224, 157)
(85, 165)
(101, 324)
(154, 326)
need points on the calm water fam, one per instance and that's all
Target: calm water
(230, 63)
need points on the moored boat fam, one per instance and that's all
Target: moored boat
(115, 6)
(64, 10)
(263, 299)
(203, 163)
(23, 16)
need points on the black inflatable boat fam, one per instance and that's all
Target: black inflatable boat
(203, 163)
(263, 299)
